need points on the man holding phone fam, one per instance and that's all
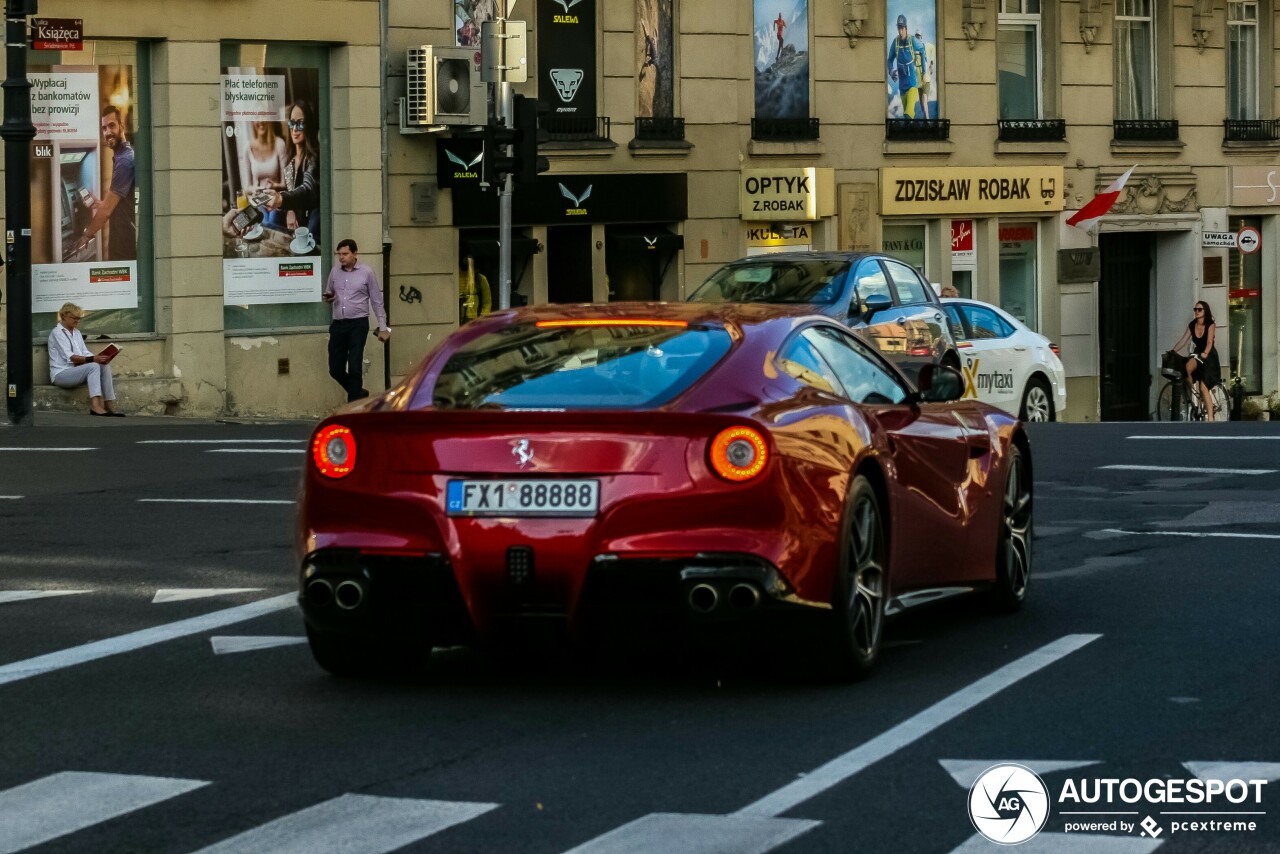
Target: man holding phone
(353, 290)
(116, 209)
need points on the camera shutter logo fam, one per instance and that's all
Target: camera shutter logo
(567, 81)
(1009, 804)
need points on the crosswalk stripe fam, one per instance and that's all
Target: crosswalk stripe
(352, 824)
(164, 595)
(19, 670)
(1186, 469)
(1065, 843)
(660, 833)
(224, 644)
(222, 441)
(965, 771)
(63, 803)
(1269, 771)
(45, 450)
(24, 595)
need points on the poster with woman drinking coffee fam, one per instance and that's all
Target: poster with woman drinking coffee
(271, 209)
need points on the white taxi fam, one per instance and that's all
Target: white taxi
(1006, 364)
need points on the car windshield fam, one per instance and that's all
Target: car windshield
(615, 366)
(776, 280)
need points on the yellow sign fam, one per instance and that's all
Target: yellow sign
(1254, 186)
(977, 190)
(781, 194)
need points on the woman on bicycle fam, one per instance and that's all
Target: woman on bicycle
(1202, 367)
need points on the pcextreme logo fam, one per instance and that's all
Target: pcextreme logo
(467, 171)
(577, 209)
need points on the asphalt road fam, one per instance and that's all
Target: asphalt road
(163, 700)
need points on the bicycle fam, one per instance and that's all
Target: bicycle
(1191, 408)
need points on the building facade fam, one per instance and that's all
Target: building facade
(958, 135)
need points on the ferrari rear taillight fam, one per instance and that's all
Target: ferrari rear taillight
(739, 453)
(333, 450)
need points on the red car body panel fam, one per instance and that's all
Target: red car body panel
(941, 466)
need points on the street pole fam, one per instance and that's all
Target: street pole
(17, 132)
(507, 119)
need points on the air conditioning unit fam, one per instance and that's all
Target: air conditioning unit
(444, 87)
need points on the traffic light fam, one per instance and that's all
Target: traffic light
(524, 164)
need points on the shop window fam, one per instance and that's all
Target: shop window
(655, 72)
(1018, 267)
(1135, 60)
(1019, 59)
(1243, 345)
(906, 241)
(964, 257)
(276, 166)
(91, 187)
(782, 73)
(568, 71)
(1242, 59)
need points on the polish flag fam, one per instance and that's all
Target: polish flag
(1098, 206)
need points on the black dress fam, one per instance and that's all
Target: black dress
(1210, 372)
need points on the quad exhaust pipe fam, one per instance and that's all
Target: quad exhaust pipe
(744, 597)
(349, 594)
(705, 598)
(319, 592)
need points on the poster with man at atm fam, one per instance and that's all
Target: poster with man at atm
(84, 199)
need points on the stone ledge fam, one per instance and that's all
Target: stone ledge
(134, 395)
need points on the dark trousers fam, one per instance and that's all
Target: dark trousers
(346, 354)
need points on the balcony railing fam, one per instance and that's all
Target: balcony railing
(575, 128)
(1251, 130)
(1145, 130)
(784, 130)
(1033, 130)
(661, 128)
(938, 130)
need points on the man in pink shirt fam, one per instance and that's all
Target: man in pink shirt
(353, 289)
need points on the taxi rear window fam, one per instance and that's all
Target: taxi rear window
(617, 366)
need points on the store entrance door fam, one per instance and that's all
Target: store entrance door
(1124, 325)
(569, 263)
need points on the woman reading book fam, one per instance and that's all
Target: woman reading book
(72, 363)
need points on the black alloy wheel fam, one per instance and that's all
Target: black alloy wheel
(1013, 549)
(860, 586)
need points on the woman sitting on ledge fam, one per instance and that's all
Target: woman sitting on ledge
(71, 363)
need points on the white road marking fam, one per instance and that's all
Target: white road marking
(19, 670)
(213, 501)
(257, 451)
(10, 497)
(914, 728)
(222, 441)
(965, 771)
(24, 595)
(226, 644)
(1219, 534)
(1065, 843)
(1212, 438)
(1269, 771)
(46, 450)
(660, 833)
(1187, 469)
(353, 824)
(186, 594)
(54, 806)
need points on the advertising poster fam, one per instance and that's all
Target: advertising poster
(782, 59)
(271, 219)
(655, 87)
(468, 15)
(911, 66)
(84, 200)
(567, 56)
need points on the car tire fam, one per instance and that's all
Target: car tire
(1037, 401)
(1013, 543)
(350, 655)
(857, 614)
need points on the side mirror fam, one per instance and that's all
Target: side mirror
(875, 303)
(940, 384)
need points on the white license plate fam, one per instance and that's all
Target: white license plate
(523, 497)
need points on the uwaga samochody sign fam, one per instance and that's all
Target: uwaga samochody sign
(993, 189)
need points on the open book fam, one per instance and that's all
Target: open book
(110, 351)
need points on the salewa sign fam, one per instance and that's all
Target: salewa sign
(785, 194)
(997, 189)
(466, 168)
(566, 18)
(577, 200)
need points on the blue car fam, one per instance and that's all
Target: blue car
(882, 299)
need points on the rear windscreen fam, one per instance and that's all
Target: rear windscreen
(577, 367)
(804, 281)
